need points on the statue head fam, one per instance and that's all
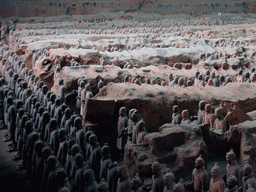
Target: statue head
(215, 171)
(75, 149)
(169, 178)
(122, 111)
(218, 112)
(52, 161)
(105, 150)
(230, 157)
(175, 109)
(136, 182)
(93, 139)
(208, 108)
(46, 152)
(185, 114)
(156, 167)
(199, 163)
(202, 105)
(78, 123)
(79, 159)
(247, 169)
(122, 171)
(231, 181)
(179, 187)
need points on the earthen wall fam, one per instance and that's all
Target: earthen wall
(31, 8)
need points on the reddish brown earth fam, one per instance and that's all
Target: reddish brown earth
(154, 46)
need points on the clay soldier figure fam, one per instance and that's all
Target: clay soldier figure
(74, 150)
(181, 83)
(200, 81)
(35, 111)
(248, 177)
(37, 158)
(217, 184)
(38, 116)
(37, 155)
(34, 58)
(141, 132)
(54, 137)
(62, 91)
(41, 174)
(47, 99)
(89, 180)
(136, 183)
(208, 117)
(58, 110)
(231, 184)
(169, 182)
(95, 155)
(65, 117)
(209, 83)
(1, 96)
(240, 77)
(189, 83)
(73, 130)
(32, 138)
(62, 179)
(69, 125)
(201, 111)
(28, 129)
(199, 176)
(56, 73)
(253, 78)
(18, 121)
(247, 77)
(214, 79)
(130, 126)
(170, 79)
(174, 82)
(179, 187)
(12, 114)
(79, 91)
(88, 94)
(176, 117)
(70, 157)
(105, 161)
(33, 106)
(79, 185)
(103, 186)
(80, 134)
(220, 122)
(20, 133)
(14, 80)
(196, 78)
(157, 178)
(52, 184)
(124, 183)
(112, 177)
(135, 119)
(100, 84)
(43, 98)
(250, 189)
(121, 130)
(51, 103)
(232, 166)
(44, 120)
(63, 148)
(185, 117)
(29, 98)
(222, 81)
